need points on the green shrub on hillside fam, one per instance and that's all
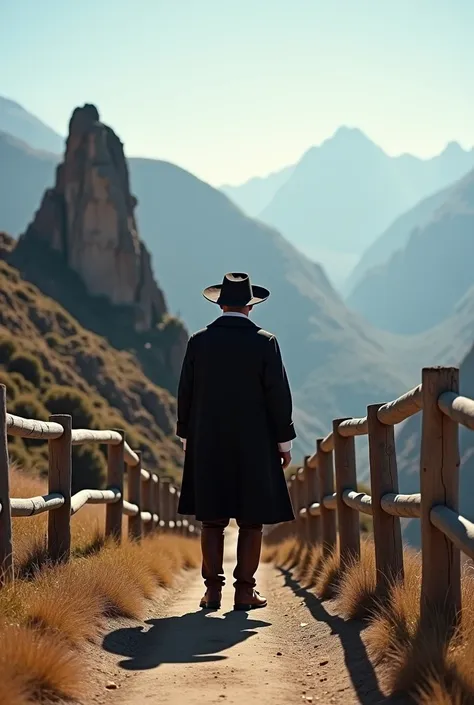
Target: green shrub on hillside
(7, 348)
(66, 400)
(22, 384)
(28, 366)
(12, 388)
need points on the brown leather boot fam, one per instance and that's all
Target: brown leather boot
(248, 557)
(212, 545)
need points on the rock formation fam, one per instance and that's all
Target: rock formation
(88, 216)
(83, 250)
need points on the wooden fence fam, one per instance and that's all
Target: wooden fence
(152, 500)
(324, 491)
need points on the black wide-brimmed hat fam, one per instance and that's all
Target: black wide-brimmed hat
(236, 290)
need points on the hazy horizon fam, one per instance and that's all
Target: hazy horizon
(230, 90)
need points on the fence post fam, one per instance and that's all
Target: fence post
(115, 472)
(6, 549)
(60, 480)
(147, 497)
(326, 483)
(384, 479)
(439, 483)
(156, 501)
(165, 496)
(313, 523)
(346, 479)
(134, 484)
(300, 500)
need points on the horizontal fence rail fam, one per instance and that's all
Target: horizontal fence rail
(151, 504)
(322, 513)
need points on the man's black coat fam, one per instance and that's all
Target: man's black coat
(234, 407)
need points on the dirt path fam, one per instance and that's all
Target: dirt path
(293, 651)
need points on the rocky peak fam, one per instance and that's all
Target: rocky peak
(88, 216)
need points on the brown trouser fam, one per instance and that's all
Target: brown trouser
(248, 552)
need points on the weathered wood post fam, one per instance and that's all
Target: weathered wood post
(60, 480)
(384, 479)
(147, 498)
(6, 548)
(346, 479)
(165, 504)
(313, 523)
(293, 527)
(135, 497)
(173, 504)
(439, 483)
(300, 502)
(156, 501)
(115, 473)
(326, 482)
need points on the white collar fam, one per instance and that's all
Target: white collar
(235, 313)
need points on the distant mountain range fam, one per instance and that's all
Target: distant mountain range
(18, 122)
(254, 195)
(343, 194)
(420, 285)
(337, 361)
(337, 364)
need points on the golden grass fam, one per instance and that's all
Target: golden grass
(356, 592)
(48, 613)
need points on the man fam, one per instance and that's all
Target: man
(235, 421)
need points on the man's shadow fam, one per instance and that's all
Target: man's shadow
(195, 637)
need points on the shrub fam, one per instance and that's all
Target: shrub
(54, 340)
(66, 400)
(12, 387)
(28, 366)
(21, 383)
(7, 348)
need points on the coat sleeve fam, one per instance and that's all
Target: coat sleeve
(185, 392)
(277, 393)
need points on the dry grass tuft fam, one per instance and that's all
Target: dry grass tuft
(395, 624)
(314, 560)
(41, 666)
(328, 577)
(356, 592)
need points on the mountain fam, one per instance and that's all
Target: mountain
(83, 249)
(19, 123)
(344, 193)
(24, 175)
(52, 364)
(395, 238)
(255, 194)
(421, 284)
(337, 363)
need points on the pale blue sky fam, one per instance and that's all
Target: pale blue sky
(234, 88)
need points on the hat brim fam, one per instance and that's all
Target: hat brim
(259, 295)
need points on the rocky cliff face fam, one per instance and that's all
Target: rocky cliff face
(85, 236)
(88, 216)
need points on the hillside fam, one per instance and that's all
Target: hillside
(344, 193)
(421, 284)
(20, 123)
(255, 194)
(394, 238)
(51, 364)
